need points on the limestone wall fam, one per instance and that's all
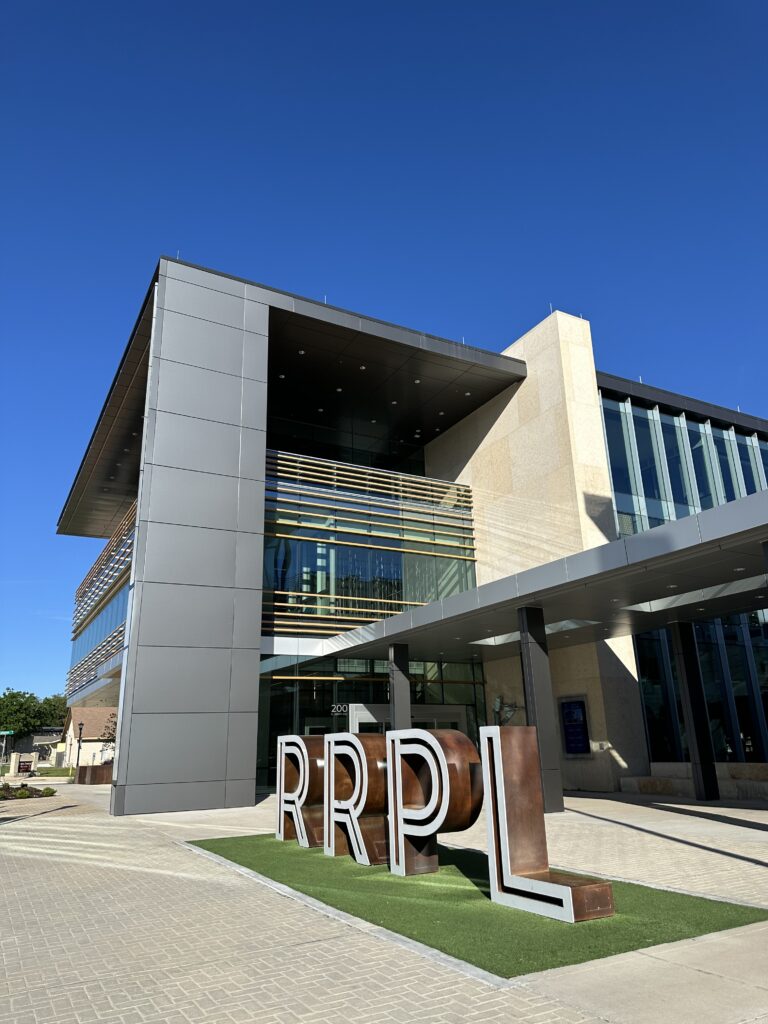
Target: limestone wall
(536, 461)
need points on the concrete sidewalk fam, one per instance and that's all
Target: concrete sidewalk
(114, 921)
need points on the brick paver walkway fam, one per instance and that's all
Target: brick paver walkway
(112, 921)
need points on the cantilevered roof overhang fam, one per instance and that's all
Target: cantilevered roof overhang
(707, 565)
(413, 385)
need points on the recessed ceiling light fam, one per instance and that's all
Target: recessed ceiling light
(111, 478)
(362, 367)
(394, 402)
(672, 586)
(760, 596)
(417, 380)
(437, 430)
(321, 410)
(701, 609)
(301, 351)
(281, 376)
(127, 450)
(614, 600)
(135, 433)
(373, 421)
(467, 393)
(338, 389)
(740, 568)
(441, 414)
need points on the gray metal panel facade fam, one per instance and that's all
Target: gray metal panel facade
(189, 696)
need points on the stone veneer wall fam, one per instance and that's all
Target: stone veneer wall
(536, 460)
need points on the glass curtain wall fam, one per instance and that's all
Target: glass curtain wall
(667, 465)
(346, 545)
(320, 697)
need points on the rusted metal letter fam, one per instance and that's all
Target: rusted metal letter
(300, 789)
(435, 784)
(356, 797)
(518, 862)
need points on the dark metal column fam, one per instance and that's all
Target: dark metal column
(695, 714)
(540, 703)
(399, 687)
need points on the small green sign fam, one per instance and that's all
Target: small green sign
(6, 732)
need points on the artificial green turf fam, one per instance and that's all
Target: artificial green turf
(451, 910)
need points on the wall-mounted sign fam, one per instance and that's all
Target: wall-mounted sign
(384, 799)
(573, 714)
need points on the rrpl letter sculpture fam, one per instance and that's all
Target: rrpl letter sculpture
(356, 797)
(385, 798)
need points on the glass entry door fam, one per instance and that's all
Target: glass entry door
(375, 717)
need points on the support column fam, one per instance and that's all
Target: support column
(540, 703)
(399, 687)
(695, 714)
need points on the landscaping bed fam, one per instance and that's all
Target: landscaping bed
(452, 912)
(24, 792)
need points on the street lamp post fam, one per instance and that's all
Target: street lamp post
(79, 745)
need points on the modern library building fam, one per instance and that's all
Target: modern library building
(316, 521)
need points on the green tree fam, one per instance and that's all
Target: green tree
(53, 710)
(20, 711)
(110, 729)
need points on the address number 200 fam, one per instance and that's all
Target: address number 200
(339, 709)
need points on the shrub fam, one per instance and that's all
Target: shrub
(22, 794)
(49, 791)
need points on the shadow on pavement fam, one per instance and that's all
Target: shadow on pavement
(673, 839)
(37, 814)
(709, 816)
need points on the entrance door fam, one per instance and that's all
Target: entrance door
(375, 717)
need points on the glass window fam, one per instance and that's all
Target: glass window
(618, 448)
(111, 616)
(622, 476)
(746, 457)
(739, 671)
(714, 684)
(653, 686)
(647, 454)
(674, 446)
(701, 464)
(650, 465)
(757, 625)
(763, 445)
(725, 454)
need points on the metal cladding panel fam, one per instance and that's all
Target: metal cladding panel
(201, 518)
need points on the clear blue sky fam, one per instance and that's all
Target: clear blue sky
(453, 167)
